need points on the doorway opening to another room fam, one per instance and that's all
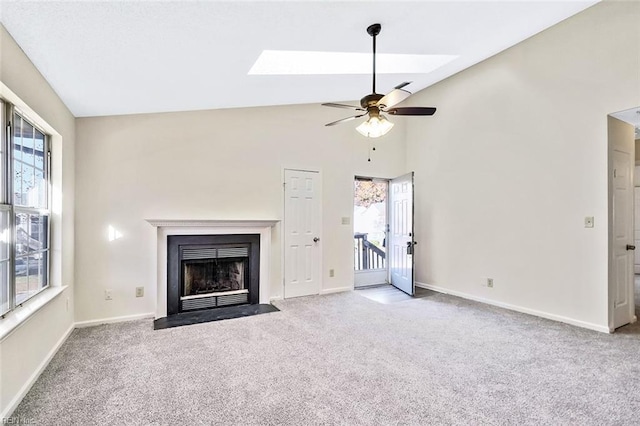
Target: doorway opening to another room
(624, 234)
(633, 117)
(370, 231)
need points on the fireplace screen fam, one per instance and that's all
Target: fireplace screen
(212, 271)
(204, 276)
(214, 276)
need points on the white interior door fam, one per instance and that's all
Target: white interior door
(636, 221)
(302, 216)
(622, 232)
(401, 242)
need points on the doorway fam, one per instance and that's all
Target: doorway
(302, 232)
(635, 121)
(383, 239)
(370, 231)
(624, 225)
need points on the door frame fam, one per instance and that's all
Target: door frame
(376, 272)
(611, 266)
(283, 247)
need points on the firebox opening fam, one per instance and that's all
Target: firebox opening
(204, 276)
(212, 271)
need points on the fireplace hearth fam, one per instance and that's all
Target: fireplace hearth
(212, 271)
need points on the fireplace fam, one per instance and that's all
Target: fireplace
(212, 271)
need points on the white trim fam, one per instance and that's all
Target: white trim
(36, 374)
(208, 222)
(21, 314)
(335, 290)
(275, 299)
(369, 277)
(542, 314)
(92, 323)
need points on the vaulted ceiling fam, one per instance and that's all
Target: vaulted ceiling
(123, 57)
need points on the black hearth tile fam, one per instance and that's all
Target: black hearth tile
(208, 315)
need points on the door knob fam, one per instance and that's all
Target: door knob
(630, 247)
(316, 239)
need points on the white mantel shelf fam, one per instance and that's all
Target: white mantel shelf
(212, 222)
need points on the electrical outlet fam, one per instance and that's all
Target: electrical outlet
(139, 291)
(108, 294)
(332, 273)
(490, 282)
(346, 220)
(67, 304)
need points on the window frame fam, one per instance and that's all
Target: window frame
(7, 202)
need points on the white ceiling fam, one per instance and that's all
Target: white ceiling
(123, 57)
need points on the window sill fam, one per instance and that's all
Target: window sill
(20, 315)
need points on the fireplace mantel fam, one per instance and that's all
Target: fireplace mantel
(211, 222)
(166, 227)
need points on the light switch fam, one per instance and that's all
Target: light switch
(588, 222)
(346, 220)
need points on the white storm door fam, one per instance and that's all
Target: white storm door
(401, 233)
(623, 236)
(302, 216)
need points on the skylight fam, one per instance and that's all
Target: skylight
(287, 62)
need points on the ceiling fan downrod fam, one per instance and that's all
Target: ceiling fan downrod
(373, 30)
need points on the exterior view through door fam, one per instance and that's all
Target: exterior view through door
(370, 224)
(302, 230)
(383, 232)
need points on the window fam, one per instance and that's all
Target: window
(24, 209)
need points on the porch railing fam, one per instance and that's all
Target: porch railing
(367, 255)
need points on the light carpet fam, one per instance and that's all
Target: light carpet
(344, 359)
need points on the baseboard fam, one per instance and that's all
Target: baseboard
(335, 290)
(542, 314)
(36, 374)
(92, 323)
(275, 299)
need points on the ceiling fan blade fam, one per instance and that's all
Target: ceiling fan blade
(329, 104)
(411, 111)
(393, 97)
(401, 85)
(344, 120)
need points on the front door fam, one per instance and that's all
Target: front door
(401, 244)
(622, 239)
(302, 233)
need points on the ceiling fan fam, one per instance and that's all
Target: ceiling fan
(375, 104)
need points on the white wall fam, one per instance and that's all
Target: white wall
(221, 164)
(24, 352)
(516, 157)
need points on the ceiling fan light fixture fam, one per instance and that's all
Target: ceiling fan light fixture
(375, 127)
